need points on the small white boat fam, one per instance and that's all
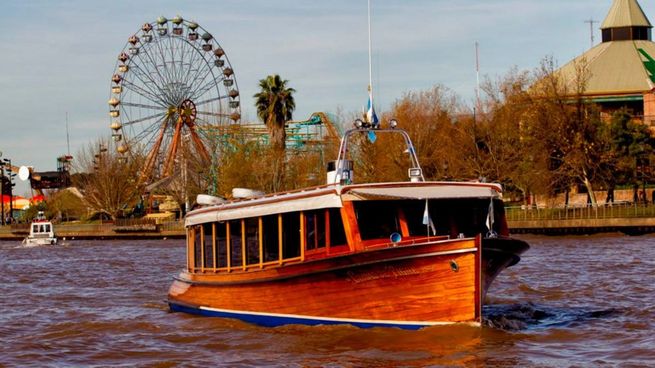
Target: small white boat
(42, 232)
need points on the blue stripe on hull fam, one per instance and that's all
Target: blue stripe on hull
(269, 320)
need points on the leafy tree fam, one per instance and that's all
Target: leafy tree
(65, 205)
(275, 105)
(631, 142)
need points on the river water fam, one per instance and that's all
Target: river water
(585, 301)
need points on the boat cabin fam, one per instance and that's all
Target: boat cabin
(247, 235)
(41, 229)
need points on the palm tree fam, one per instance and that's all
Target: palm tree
(275, 106)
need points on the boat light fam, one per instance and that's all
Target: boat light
(395, 238)
(393, 123)
(415, 174)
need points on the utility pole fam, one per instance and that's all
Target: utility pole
(476, 108)
(2, 197)
(6, 186)
(591, 22)
(11, 190)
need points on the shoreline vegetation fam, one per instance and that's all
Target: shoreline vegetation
(536, 135)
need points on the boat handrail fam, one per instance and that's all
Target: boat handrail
(341, 167)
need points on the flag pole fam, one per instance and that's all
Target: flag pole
(370, 72)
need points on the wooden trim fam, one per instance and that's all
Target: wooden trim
(270, 263)
(291, 260)
(317, 217)
(303, 229)
(189, 249)
(328, 240)
(279, 238)
(478, 278)
(402, 219)
(243, 244)
(214, 260)
(349, 219)
(228, 245)
(202, 247)
(260, 224)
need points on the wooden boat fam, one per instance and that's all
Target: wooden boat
(42, 232)
(402, 254)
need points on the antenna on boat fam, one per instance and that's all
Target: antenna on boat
(477, 75)
(370, 70)
(371, 118)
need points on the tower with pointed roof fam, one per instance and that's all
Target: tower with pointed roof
(621, 69)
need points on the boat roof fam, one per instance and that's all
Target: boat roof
(421, 190)
(332, 196)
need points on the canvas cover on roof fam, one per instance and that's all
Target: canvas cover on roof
(422, 192)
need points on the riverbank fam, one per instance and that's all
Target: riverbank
(102, 231)
(632, 219)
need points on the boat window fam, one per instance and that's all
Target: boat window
(208, 246)
(221, 245)
(291, 235)
(47, 228)
(42, 229)
(315, 229)
(377, 219)
(252, 240)
(452, 216)
(337, 232)
(418, 225)
(270, 238)
(236, 258)
(35, 228)
(197, 247)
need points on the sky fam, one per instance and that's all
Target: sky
(57, 57)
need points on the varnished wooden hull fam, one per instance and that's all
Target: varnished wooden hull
(406, 286)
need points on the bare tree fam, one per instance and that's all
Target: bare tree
(569, 128)
(108, 181)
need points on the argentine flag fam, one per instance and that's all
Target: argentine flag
(490, 220)
(427, 219)
(370, 111)
(371, 118)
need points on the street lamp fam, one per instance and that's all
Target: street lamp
(8, 167)
(2, 193)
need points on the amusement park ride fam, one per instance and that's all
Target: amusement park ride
(172, 82)
(174, 95)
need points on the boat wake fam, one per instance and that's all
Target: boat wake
(528, 316)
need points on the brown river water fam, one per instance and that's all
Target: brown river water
(585, 301)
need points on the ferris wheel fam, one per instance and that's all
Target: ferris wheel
(172, 85)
